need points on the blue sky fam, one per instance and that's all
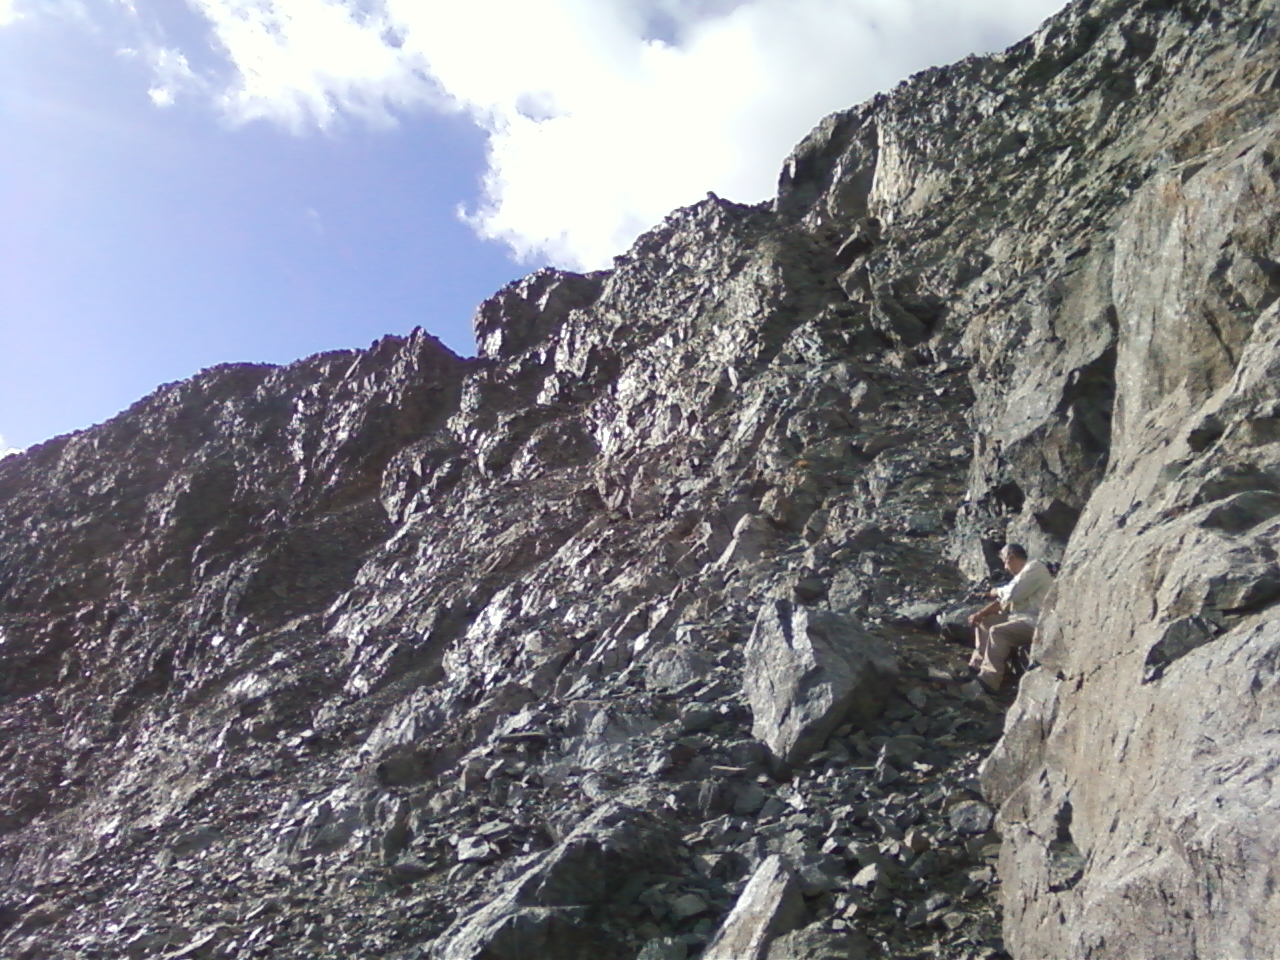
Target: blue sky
(191, 183)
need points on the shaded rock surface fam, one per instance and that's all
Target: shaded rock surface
(819, 943)
(395, 653)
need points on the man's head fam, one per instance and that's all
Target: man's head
(1014, 556)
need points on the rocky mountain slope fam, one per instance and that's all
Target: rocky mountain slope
(631, 637)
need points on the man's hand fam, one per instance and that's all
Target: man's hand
(988, 610)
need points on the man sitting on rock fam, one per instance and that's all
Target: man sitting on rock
(1009, 620)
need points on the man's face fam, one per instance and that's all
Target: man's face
(1011, 563)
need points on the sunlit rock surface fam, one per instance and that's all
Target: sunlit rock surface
(394, 653)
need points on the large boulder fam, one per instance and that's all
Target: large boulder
(806, 671)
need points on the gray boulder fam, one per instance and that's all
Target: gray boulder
(806, 671)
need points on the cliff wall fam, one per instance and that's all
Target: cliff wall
(629, 636)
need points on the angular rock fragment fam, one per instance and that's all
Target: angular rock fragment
(697, 717)
(551, 910)
(921, 615)
(886, 772)
(916, 917)
(750, 537)
(818, 942)
(925, 524)
(194, 841)
(674, 667)
(903, 749)
(918, 699)
(769, 906)
(203, 944)
(953, 624)
(409, 870)
(819, 874)
(924, 866)
(809, 590)
(806, 671)
(869, 876)
(954, 920)
(664, 948)
(916, 841)
(475, 850)
(688, 905)
(400, 769)
(971, 817)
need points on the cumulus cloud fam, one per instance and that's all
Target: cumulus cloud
(6, 450)
(602, 115)
(304, 62)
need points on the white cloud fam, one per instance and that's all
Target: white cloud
(602, 115)
(309, 61)
(8, 12)
(171, 74)
(6, 450)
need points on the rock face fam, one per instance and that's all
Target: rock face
(555, 652)
(1175, 559)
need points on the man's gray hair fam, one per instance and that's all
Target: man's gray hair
(1015, 550)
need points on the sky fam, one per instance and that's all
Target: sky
(192, 182)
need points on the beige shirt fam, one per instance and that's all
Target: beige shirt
(1021, 597)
